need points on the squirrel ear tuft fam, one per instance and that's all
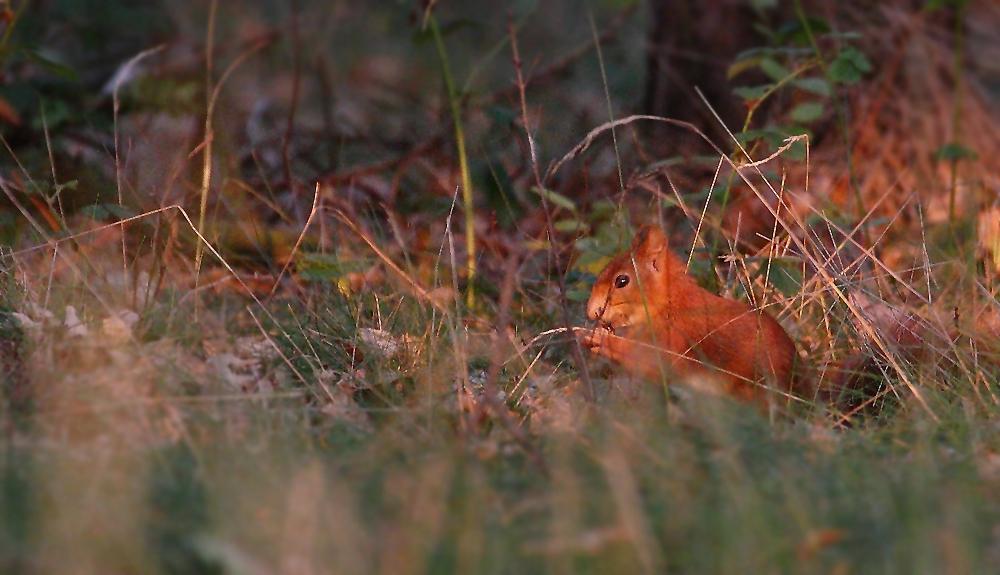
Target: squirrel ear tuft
(649, 240)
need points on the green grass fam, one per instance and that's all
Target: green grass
(135, 461)
(726, 493)
(328, 431)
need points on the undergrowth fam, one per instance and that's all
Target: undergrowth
(286, 389)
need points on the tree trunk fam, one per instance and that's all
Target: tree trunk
(691, 45)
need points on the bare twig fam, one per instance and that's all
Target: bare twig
(343, 177)
(538, 77)
(554, 69)
(553, 252)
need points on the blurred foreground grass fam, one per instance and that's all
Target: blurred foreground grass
(135, 455)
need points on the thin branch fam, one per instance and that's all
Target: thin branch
(553, 253)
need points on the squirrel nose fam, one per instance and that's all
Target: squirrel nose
(595, 308)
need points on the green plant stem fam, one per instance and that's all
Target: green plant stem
(206, 172)
(777, 86)
(10, 29)
(746, 126)
(956, 107)
(463, 160)
(841, 115)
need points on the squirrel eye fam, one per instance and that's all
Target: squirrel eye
(621, 281)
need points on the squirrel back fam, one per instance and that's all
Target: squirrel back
(658, 322)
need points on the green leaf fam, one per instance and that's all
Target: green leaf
(813, 85)
(954, 152)
(752, 93)
(754, 54)
(775, 139)
(807, 112)
(848, 66)
(58, 189)
(556, 198)
(323, 267)
(120, 212)
(569, 226)
(773, 69)
(592, 261)
(795, 153)
(795, 31)
(845, 36)
(602, 210)
(95, 212)
(577, 295)
(748, 136)
(105, 211)
(785, 277)
(742, 65)
(51, 66)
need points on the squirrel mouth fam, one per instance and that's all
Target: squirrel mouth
(606, 326)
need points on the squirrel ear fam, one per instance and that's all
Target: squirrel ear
(649, 241)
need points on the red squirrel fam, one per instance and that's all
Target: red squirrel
(654, 319)
(657, 322)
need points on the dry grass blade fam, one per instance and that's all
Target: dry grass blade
(553, 252)
(248, 383)
(418, 289)
(207, 144)
(298, 242)
(866, 327)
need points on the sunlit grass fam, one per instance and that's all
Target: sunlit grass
(263, 422)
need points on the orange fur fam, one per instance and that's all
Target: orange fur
(657, 321)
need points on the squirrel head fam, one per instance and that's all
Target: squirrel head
(636, 281)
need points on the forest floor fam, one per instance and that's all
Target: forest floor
(311, 303)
